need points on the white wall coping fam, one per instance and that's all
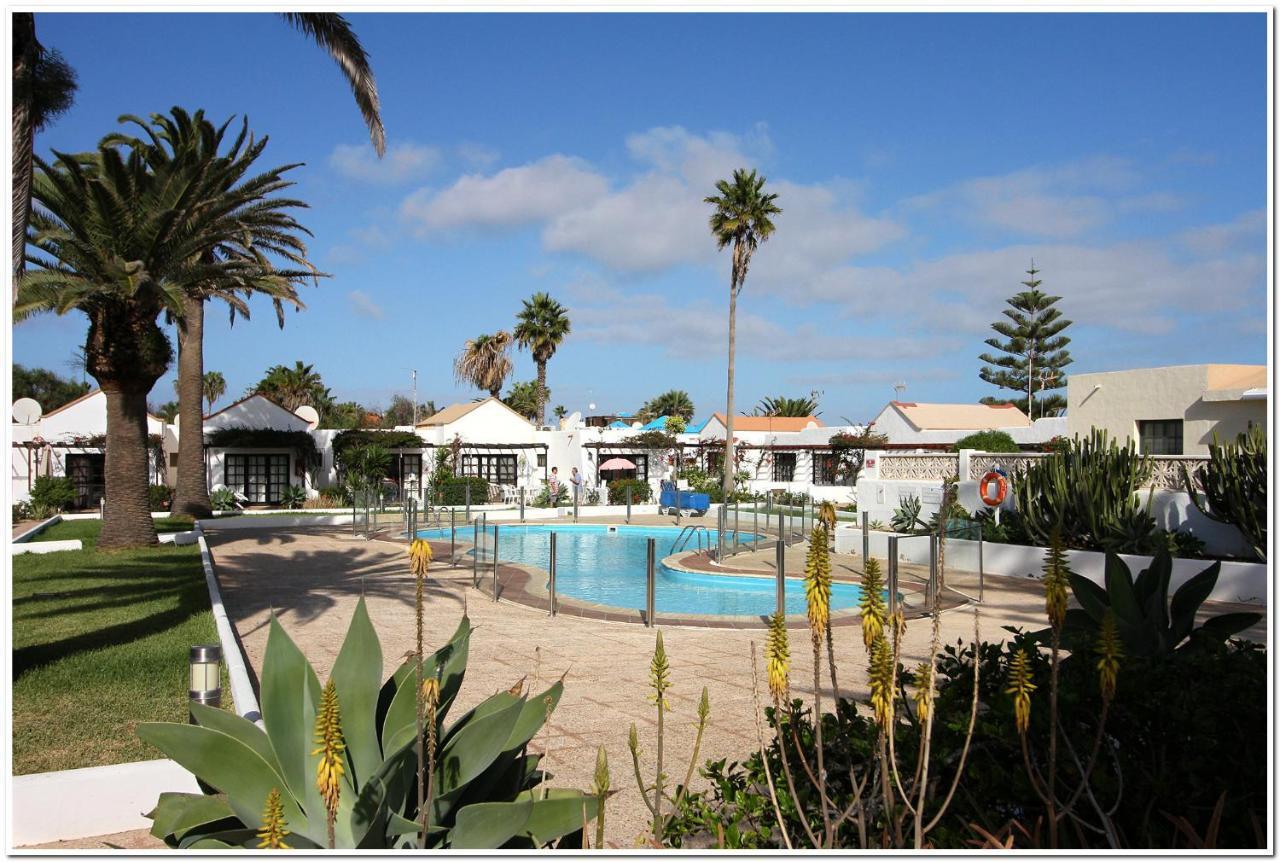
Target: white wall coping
(46, 547)
(246, 702)
(37, 529)
(96, 800)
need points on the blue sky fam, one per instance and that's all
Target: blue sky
(921, 161)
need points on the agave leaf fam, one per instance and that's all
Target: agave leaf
(489, 825)
(1218, 629)
(494, 703)
(1092, 598)
(475, 746)
(226, 838)
(368, 821)
(227, 764)
(401, 721)
(355, 674)
(1120, 593)
(290, 693)
(533, 715)
(1152, 584)
(561, 813)
(507, 776)
(1187, 600)
(241, 728)
(177, 813)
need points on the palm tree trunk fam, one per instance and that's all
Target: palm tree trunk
(126, 521)
(25, 51)
(728, 412)
(191, 496)
(542, 394)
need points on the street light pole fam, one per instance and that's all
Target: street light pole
(414, 373)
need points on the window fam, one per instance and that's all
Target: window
(261, 478)
(784, 466)
(497, 469)
(410, 471)
(640, 472)
(173, 459)
(715, 458)
(826, 467)
(1160, 437)
(542, 459)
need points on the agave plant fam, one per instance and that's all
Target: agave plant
(488, 788)
(1147, 621)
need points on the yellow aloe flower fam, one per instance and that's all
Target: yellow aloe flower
(817, 582)
(273, 831)
(777, 656)
(660, 675)
(330, 747)
(1055, 581)
(874, 612)
(924, 690)
(1020, 686)
(1110, 653)
(419, 556)
(827, 516)
(431, 692)
(881, 674)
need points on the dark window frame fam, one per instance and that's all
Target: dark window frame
(1160, 436)
(826, 468)
(784, 466)
(260, 476)
(494, 469)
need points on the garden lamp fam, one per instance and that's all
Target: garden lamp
(206, 679)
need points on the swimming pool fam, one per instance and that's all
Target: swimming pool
(606, 565)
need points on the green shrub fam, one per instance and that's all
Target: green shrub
(986, 441)
(293, 497)
(453, 490)
(223, 499)
(1235, 485)
(53, 494)
(160, 497)
(640, 491)
(542, 500)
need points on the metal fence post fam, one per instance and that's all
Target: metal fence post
(866, 539)
(891, 577)
(551, 572)
(981, 575)
(468, 493)
(649, 585)
(755, 523)
(522, 507)
(780, 557)
(475, 553)
(629, 504)
(495, 562)
(735, 526)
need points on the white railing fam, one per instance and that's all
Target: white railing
(919, 467)
(1166, 472)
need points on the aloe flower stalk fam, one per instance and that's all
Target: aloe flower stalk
(924, 690)
(273, 831)
(777, 655)
(817, 582)
(1055, 581)
(1109, 655)
(600, 786)
(881, 674)
(874, 612)
(660, 680)
(1021, 686)
(330, 747)
(419, 560)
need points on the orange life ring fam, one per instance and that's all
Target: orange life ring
(1001, 489)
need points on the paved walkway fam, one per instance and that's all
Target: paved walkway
(312, 579)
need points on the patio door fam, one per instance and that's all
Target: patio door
(261, 478)
(87, 474)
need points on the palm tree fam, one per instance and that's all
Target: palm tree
(43, 87)
(484, 362)
(265, 228)
(784, 406)
(540, 328)
(215, 386)
(673, 402)
(742, 218)
(122, 265)
(293, 387)
(525, 398)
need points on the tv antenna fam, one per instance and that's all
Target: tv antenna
(898, 389)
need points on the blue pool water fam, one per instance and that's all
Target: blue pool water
(607, 566)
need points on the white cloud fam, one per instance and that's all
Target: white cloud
(477, 155)
(1220, 238)
(403, 162)
(514, 196)
(363, 305)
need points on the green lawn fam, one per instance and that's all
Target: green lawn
(100, 641)
(87, 531)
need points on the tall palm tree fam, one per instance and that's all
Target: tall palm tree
(541, 326)
(121, 242)
(742, 219)
(267, 228)
(525, 398)
(293, 387)
(34, 105)
(785, 406)
(215, 386)
(484, 362)
(673, 402)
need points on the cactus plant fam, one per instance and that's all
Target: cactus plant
(485, 780)
(1235, 486)
(1089, 494)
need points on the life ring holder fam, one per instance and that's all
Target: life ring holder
(1001, 484)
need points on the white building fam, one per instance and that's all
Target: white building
(1174, 410)
(70, 441)
(913, 425)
